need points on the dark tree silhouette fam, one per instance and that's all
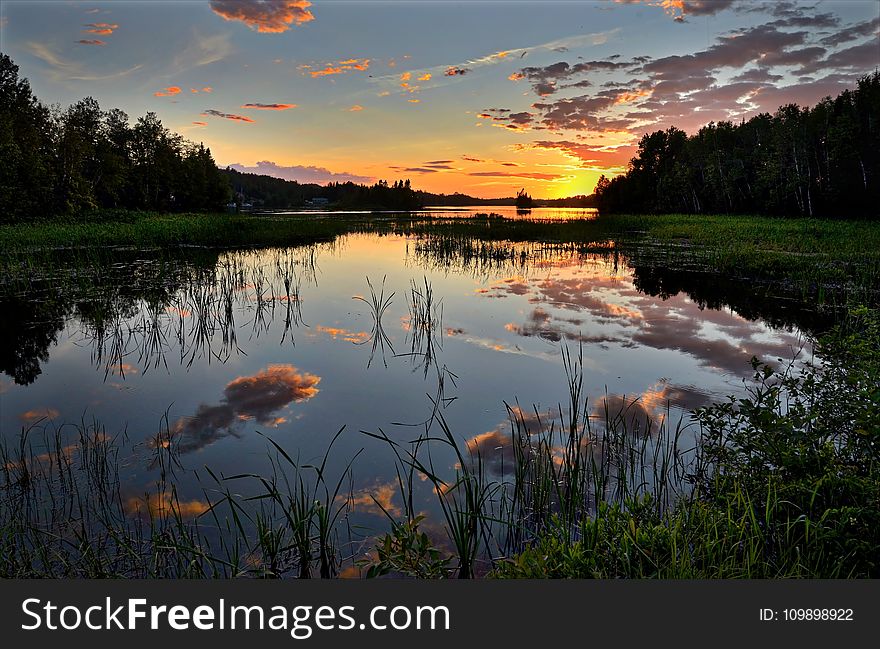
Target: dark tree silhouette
(819, 161)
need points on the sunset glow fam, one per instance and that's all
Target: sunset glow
(548, 98)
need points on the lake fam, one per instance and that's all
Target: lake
(212, 353)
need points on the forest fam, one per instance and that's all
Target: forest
(822, 161)
(56, 162)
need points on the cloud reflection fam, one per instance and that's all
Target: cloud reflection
(589, 304)
(259, 397)
(377, 499)
(158, 506)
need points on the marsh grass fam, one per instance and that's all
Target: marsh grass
(424, 325)
(378, 305)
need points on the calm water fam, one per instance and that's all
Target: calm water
(216, 346)
(507, 211)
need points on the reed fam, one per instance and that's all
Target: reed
(378, 305)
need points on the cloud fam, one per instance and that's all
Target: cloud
(644, 413)
(200, 124)
(265, 16)
(428, 167)
(64, 70)
(857, 58)
(449, 72)
(852, 32)
(584, 112)
(206, 89)
(685, 89)
(545, 78)
(102, 29)
(519, 174)
(678, 9)
(342, 67)
(86, 41)
(301, 174)
(356, 108)
(259, 397)
(586, 154)
(256, 106)
(201, 50)
(520, 121)
(217, 113)
(170, 91)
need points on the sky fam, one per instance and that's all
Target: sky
(482, 98)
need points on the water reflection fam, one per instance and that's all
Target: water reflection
(378, 499)
(230, 342)
(582, 301)
(259, 397)
(163, 505)
(643, 412)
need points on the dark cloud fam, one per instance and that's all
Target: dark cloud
(86, 41)
(301, 174)
(852, 32)
(679, 9)
(545, 80)
(455, 72)
(257, 106)
(758, 75)
(584, 112)
(218, 113)
(857, 58)
(259, 397)
(732, 50)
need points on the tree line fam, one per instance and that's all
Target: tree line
(55, 161)
(820, 161)
(269, 192)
